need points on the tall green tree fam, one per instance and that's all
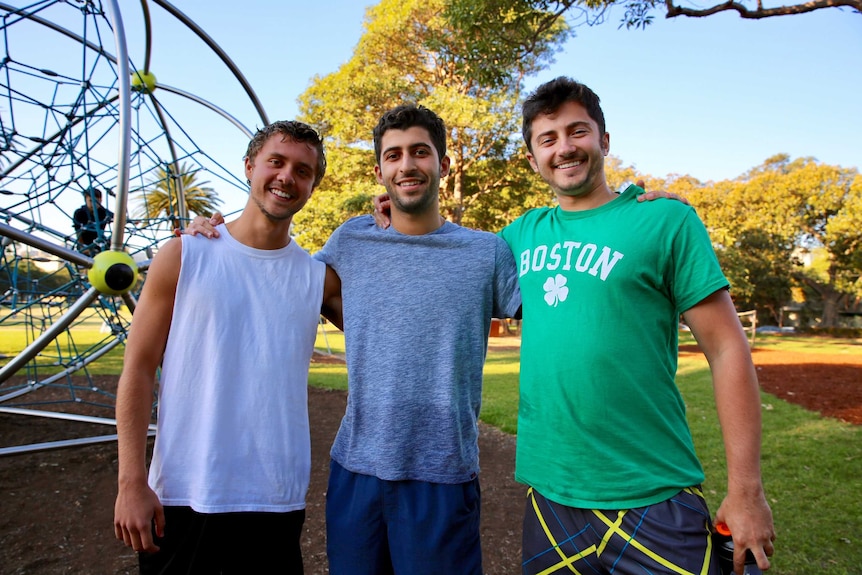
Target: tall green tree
(409, 53)
(161, 197)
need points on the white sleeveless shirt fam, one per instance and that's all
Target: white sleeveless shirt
(232, 429)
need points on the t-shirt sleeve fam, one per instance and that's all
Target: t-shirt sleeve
(507, 296)
(329, 250)
(696, 271)
(507, 233)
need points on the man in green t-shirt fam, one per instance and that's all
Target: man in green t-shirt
(603, 443)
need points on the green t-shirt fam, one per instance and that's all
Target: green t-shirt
(601, 423)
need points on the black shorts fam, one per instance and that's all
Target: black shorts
(669, 537)
(227, 543)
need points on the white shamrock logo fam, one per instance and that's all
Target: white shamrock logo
(556, 290)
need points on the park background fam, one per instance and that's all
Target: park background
(755, 122)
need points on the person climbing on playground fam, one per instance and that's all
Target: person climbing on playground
(90, 221)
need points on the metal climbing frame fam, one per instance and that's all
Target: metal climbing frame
(75, 117)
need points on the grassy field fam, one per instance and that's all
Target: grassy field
(811, 465)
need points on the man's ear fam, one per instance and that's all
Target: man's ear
(606, 143)
(249, 168)
(533, 163)
(378, 174)
(444, 166)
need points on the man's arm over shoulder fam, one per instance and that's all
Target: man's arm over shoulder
(719, 334)
(137, 505)
(331, 308)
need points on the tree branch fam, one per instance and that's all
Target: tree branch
(673, 10)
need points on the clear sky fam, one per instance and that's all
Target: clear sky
(709, 97)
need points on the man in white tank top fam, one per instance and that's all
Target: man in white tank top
(231, 322)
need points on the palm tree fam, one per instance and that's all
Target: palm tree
(161, 199)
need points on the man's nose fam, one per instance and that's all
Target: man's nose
(567, 146)
(286, 175)
(408, 163)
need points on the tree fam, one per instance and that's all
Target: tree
(471, 15)
(753, 239)
(409, 53)
(763, 222)
(161, 197)
(831, 218)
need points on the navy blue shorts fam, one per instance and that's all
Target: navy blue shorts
(669, 537)
(378, 527)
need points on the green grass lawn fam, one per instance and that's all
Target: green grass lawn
(811, 465)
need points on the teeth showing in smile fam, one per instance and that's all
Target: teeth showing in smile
(409, 183)
(566, 165)
(281, 194)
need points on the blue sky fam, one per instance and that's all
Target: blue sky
(708, 97)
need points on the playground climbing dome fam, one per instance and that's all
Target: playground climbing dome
(80, 113)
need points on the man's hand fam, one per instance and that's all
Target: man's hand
(754, 529)
(382, 205)
(136, 512)
(205, 227)
(650, 196)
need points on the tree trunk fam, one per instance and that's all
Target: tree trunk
(458, 196)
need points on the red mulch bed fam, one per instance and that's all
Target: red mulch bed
(830, 384)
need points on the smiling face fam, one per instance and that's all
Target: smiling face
(282, 176)
(410, 169)
(568, 151)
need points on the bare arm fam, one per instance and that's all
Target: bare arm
(331, 308)
(137, 506)
(719, 333)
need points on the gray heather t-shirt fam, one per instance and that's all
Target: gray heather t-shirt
(417, 312)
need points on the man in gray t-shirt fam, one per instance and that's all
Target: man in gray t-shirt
(418, 299)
